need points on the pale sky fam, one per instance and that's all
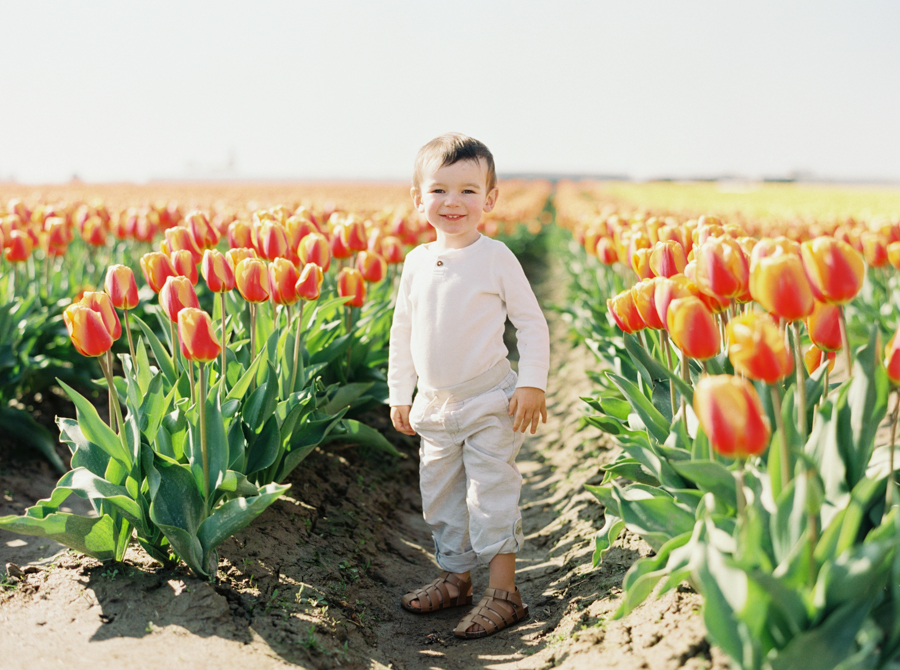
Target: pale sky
(132, 91)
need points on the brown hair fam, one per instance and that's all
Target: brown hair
(451, 148)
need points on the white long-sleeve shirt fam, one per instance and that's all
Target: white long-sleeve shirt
(450, 315)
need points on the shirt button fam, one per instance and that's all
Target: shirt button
(440, 263)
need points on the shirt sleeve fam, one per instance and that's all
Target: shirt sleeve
(532, 334)
(401, 369)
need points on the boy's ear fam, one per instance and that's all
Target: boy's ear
(416, 197)
(491, 200)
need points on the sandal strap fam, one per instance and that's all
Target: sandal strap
(491, 617)
(436, 596)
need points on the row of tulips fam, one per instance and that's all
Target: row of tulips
(751, 475)
(197, 456)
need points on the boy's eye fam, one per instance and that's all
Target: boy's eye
(468, 190)
(437, 190)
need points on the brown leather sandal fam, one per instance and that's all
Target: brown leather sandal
(436, 596)
(491, 617)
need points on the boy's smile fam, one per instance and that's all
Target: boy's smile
(453, 198)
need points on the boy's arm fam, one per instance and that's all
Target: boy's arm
(401, 378)
(528, 405)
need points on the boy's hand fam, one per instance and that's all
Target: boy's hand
(400, 419)
(528, 405)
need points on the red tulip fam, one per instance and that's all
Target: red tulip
(625, 312)
(236, 255)
(93, 231)
(18, 246)
(197, 336)
(667, 289)
(693, 328)
(892, 360)
(309, 285)
(371, 266)
(350, 284)
(824, 326)
(216, 271)
(731, 414)
(157, 269)
(314, 248)
(121, 287)
(205, 236)
(102, 304)
(251, 276)
(392, 249)
(272, 240)
(353, 235)
(605, 250)
(779, 284)
(283, 278)
(241, 235)
(298, 227)
(183, 263)
(87, 330)
(667, 259)
(180, 238)
(338, 248)
(644, 295)
(834, 268)
(722, 270)
(640, 263)
(756, 348)
(176, 294)
(874, 248)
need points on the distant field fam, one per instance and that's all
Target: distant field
(758, 201)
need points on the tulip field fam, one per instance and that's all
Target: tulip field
(206, 340)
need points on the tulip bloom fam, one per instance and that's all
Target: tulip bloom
(625, 312)
(176, 294)
(205, 236)
(216, 271)
(102, 304)
(721, 268)
(183, 263)
(693, 328)
(893, 254)
(640, 263)
(93, 231)
(835, 269)
(121, 287)
(731, 414)
(57, 240)
(272, 240)
(350, 284)
(18, 246)
(605, 250)
(241, 235)
(392, 249)
(779, 284)
(371, 266)
(338, 248)
(644, 295)
(874, 248)
(236, 255)
(667, 289)
(824, 326)
(813, 359)
(309, 285)
(353, 235)
(667, 259)
(252, 279)
(297, 228)
(314, 248)
(181, 238)
(892, 360)
(86, 329)
(157, 269)
(756, 348)
(197, 336)
(283, 278)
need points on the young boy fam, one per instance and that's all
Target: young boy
(470, 410)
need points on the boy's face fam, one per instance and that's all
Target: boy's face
(453, 198)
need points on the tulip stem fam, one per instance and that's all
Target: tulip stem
(739, 489)
(801, 382)
(686, 375)
(350, 338)
(174, 344)
(203, 451)
(190, 368)
(224, 344)
(779, 423)
(891, 482)
(107, 372)
(252, 331)
(130, 341)
(664, 339)
(845, 341)
(112, 417)
(296, 349)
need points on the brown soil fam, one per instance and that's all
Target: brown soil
(316, 581)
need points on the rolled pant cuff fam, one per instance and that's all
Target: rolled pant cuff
(458, 563)
(511, 545)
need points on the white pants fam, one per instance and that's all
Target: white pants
(469, 479)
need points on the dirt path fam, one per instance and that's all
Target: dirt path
(315, 582)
